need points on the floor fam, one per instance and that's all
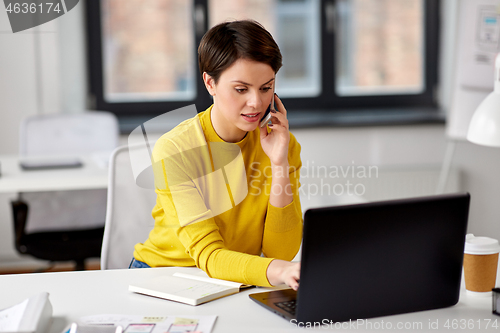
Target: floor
(45, 268)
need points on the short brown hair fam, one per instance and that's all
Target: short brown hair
(227, 42)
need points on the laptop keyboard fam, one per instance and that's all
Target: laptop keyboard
(288, 306)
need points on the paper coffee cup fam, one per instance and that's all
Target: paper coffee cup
(480, 264)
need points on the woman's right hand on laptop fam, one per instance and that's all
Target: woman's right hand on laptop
(284, 272)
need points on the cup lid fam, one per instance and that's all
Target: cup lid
(481, 245)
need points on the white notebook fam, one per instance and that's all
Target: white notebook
(186, 288)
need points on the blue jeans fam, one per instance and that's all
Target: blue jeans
(138, 264)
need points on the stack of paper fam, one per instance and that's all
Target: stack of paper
(33, 315)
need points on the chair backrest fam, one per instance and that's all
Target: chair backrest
(68, 133)
(128, 214)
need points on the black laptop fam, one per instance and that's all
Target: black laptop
(376, 259)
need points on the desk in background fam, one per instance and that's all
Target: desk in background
(77, 294)
(92, 175)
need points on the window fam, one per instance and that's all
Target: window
(145, 58)
(379, 47)
(337, 55)
(296, 27)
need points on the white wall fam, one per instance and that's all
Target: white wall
(63, 90)
(57, 50)
(473, 79)
(407, 146)
(18, 98)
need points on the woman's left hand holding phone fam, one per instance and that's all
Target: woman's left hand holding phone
(275, 143)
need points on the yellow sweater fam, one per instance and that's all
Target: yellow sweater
(212, 208)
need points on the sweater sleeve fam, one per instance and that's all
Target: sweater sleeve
(204, 243)
(183, 200)
(283, 226)
(190, 195)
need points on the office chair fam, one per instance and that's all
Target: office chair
(63, 225)
(128, 214)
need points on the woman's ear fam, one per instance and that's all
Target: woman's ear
(209, 83)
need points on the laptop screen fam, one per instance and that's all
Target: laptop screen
(382, 258)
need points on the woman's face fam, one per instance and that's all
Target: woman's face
(241, 98)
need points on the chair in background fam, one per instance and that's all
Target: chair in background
(128, 215)
(64, 225)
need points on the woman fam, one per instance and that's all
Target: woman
(227, 189)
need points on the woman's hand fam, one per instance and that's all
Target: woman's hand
(284, 272)
(275, 143)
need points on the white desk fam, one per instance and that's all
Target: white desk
(77, 294)
(92, 175)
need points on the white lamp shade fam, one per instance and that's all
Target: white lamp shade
(484, 128)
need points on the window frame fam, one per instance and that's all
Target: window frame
(326, 102)
(96, 71)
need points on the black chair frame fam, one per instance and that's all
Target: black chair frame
(74, 245)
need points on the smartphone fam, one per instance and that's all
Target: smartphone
(268, 115)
